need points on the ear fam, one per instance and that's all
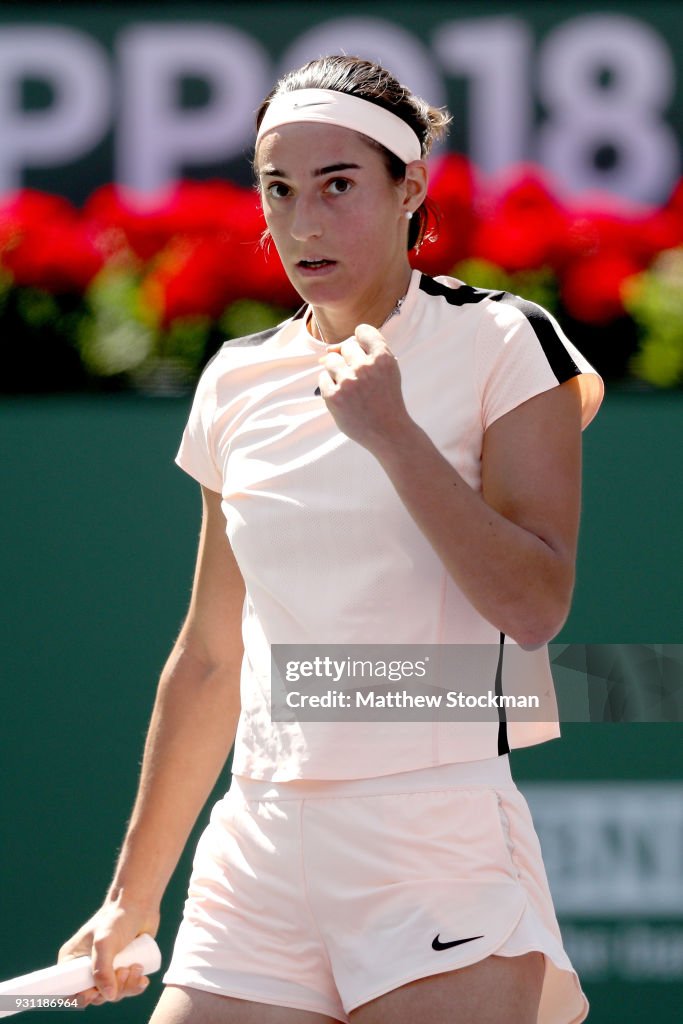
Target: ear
(415, 185)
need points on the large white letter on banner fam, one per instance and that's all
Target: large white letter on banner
(495, 56)
(76, 70)
(157, 137)
(624, 113)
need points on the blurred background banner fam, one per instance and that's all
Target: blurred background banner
(146, 94)
(130, 229)
(560, 180)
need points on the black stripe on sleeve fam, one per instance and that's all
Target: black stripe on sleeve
(561, 363)
(559, 359)
(465, 295)
(503, 745)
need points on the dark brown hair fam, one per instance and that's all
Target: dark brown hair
(374, 83)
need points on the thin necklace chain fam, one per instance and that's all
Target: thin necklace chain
(395, 312)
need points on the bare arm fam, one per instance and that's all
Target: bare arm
(193, 722)
(191, 732)
(512, 548)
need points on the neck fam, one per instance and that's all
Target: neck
(333, 325)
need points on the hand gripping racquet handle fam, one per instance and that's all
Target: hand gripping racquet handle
(72, 976)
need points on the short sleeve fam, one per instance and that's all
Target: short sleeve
(196, 454)
(521, 351)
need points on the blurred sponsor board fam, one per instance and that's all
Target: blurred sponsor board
(614, 858)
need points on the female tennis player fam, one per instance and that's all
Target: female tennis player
(398, 463)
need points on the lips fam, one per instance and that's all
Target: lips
(315, 267)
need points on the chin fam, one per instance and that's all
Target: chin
(322, 292)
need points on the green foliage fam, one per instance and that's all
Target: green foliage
(655, 301)
(247, 316)
(114, 338)
(535, 285)
(5, 286)
(36, 307)
(174, 364)
(120, 336)
(185, 340)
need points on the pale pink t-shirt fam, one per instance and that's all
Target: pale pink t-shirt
(329, 553)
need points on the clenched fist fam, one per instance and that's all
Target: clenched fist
(361, 385)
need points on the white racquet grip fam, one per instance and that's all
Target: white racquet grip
(72, 976)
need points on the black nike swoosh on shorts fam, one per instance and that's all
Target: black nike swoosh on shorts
(437, 944)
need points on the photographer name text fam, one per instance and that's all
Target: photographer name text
(404, 699)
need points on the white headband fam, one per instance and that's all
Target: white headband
(327, 106)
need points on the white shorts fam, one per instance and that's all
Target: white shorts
(323, 895)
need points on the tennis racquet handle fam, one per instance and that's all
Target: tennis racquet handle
(72, 976)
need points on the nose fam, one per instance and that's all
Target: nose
(306, 220)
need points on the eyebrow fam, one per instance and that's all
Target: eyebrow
(273, 172)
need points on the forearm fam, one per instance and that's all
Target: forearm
(191, 732)
(511, 576)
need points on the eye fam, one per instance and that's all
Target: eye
(339, 186)
(276, 190)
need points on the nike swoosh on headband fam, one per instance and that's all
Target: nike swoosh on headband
(317, 103)
(327, 106)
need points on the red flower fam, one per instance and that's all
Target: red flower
(452, 192)
(591, 287)
(597, 228)
(191, 209)
(265, 277)
(659, 230)
(675, 202)
(44, 243)
(663, 228)
(606, 224)
(608, 241)
(202, 276)
(523, 227)
(189, 280)
(205, 237)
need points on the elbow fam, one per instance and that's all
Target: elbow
(538, 636)
(544, 619)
